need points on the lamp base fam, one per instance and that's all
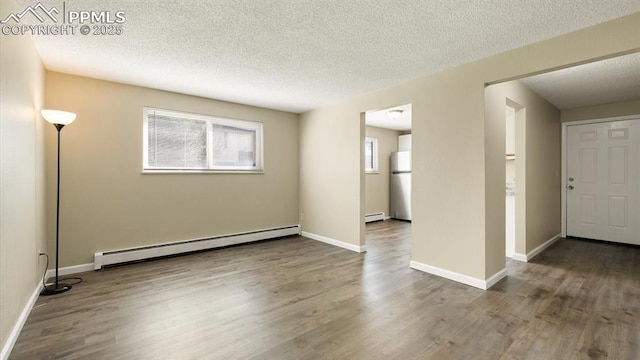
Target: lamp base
(54, 290)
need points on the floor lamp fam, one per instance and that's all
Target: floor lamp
(59, 119)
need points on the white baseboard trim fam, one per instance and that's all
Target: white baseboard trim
(541, 248)
(495, 278)
(338, 243)
(68, 270)
(519, 257)
(17, 328)
(531, 254)
(387, 218)
(461, 278)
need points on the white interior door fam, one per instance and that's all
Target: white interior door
(603, 181)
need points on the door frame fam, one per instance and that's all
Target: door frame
(563, 175)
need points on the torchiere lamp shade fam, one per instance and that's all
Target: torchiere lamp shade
(58, 117)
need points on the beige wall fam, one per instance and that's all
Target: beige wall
(377, 184)
(107, 203)
(331, 165)
(22, 181)
(458, 169)
(602, 111)
(540, 190)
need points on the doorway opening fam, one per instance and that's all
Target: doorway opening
(510, 181)
(545, 104)
(386, 137)
(515, 179)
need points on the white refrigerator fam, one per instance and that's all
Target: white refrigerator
(400, 186)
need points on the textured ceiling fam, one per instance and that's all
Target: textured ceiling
(298, 55)
(602, 82)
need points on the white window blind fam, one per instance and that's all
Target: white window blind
(177, 142)
(183, 141)
(370, 154)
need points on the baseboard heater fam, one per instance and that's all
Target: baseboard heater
(114, 257)
(374, 217)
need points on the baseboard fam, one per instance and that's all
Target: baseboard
(495, 278)
(17, 328)
(531, 254)
(519, 257)
(387, 217)
(338, 243)
(374, 217)
(68, 270)
(461, 278)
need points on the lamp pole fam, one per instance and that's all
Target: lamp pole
(59, 119)
(59, 128)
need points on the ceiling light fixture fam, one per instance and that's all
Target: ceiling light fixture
(394, 114)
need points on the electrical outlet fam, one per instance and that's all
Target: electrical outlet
(301, 216)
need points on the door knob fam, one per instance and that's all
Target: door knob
(570, 187)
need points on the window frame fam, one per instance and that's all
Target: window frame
(374, 155)
(210, 121)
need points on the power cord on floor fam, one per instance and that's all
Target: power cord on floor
(66, 280)
(78, 280)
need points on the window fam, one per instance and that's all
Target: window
(177, 141)
(371, 155)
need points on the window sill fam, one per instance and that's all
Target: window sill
(147, 171)
(372, 172)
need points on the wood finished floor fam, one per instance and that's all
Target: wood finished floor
(297, 298)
